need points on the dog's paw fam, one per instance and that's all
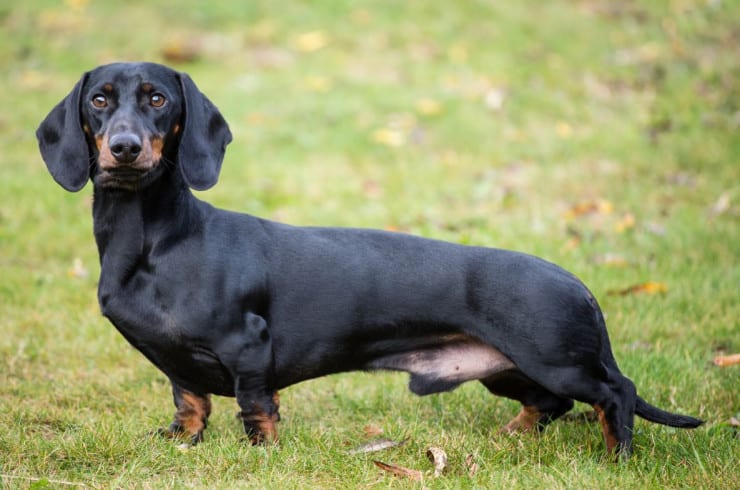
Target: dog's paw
(175, 431)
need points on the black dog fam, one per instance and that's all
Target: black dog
(233, 305)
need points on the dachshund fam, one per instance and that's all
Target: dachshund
(234, 305)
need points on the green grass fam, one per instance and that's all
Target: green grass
(475, 122)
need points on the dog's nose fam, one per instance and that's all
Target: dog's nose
(125, 147)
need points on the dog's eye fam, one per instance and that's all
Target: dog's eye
(157, 100)
(100, 101)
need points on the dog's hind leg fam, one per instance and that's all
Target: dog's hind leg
(191, 416)
(612, 395)
(539, 406)
(259, 417)
(617, 417)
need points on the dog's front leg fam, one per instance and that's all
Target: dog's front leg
(255, 394)
(191, 417)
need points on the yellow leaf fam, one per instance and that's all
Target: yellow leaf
(311, 41)
(563, 129)
(612, 260)
(428, 107)
(600, 206)
(650, 287)
(77, 4)
(389, 137)
(78, 269)
(625, 223)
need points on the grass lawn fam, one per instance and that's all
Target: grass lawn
(601, 135)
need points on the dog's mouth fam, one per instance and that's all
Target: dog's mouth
(125, 177)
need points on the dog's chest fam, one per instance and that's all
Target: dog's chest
(177, 334)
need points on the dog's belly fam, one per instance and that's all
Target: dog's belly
(447, 364)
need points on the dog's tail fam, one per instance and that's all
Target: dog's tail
(654, 414)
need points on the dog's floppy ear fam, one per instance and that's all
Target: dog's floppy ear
(205, 135)
(62, 142)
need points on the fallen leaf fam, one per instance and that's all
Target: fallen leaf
(721, 206)
(563, 130)
(428, 107)
(400, 471)
(78, 269)
(599, 206)
(724, 361)
(650, 287)
(180, 50)
(572, 243)
(438, 458)
(311, 41)
(734, 422)
(612, 260)
(377, 445)
(471, 465)
(372, 430)
(494, 99)
(77, 4)
(389, 137)
(625, 223)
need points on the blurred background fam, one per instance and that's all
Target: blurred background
(601, 135)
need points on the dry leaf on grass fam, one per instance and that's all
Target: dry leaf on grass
(721, 206)
(78, 269)
(438, 458)
(612, 260)
(471, 465)
(583, 208)
(180, 51)
(626, 222)
(729, 360)
(650, 287)
(377, 445)
(372, 430)
(309, 42)
(400, 471)
(428, 107)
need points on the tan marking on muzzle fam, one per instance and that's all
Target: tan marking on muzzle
(156, 145)
(106, 160)
(149, 157)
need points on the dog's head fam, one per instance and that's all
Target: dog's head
(123, 124)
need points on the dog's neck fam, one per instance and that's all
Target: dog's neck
(128, 224)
